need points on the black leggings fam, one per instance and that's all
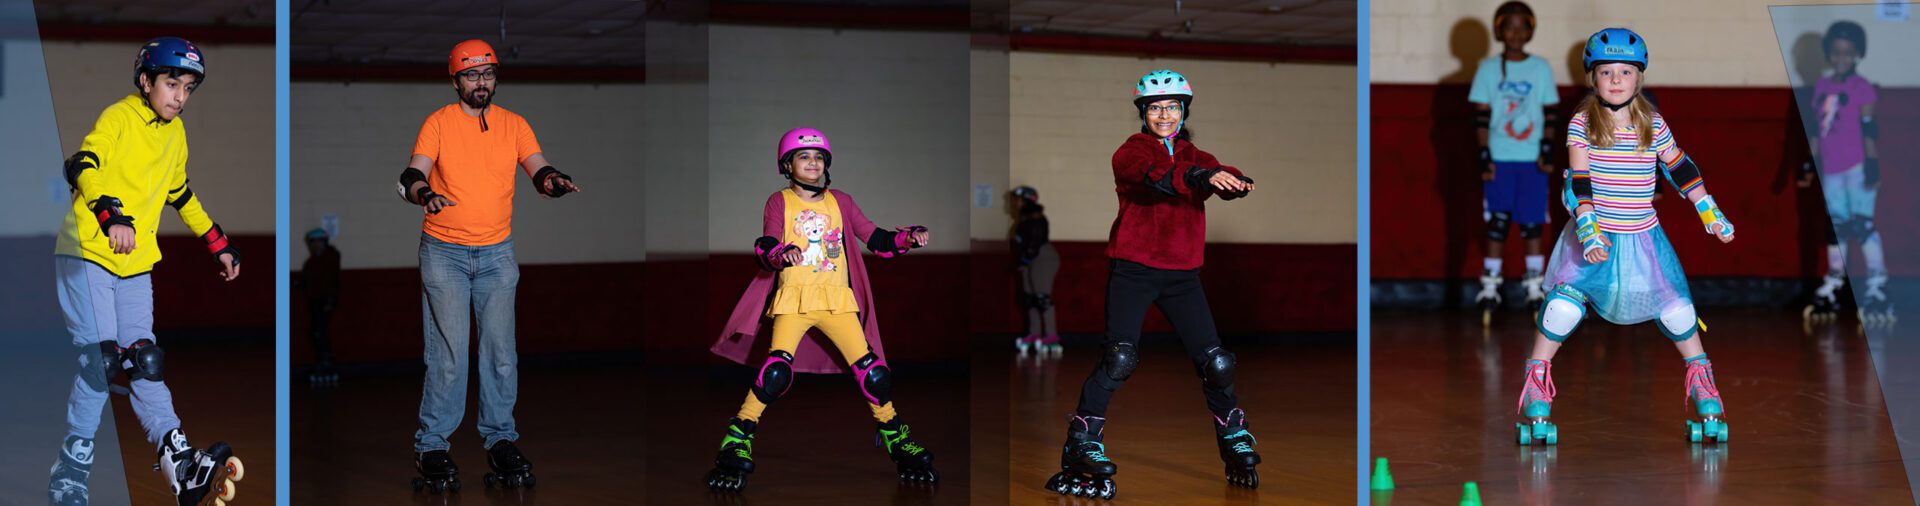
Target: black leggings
(1131, 287)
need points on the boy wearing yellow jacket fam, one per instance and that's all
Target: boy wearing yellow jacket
(128, 168)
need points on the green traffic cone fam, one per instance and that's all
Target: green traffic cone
(1471, 497)
(1382, 479)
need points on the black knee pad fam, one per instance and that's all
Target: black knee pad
(144, 361)
(1532, 231)
(1120, 361)
(1217, 368)
(101, 363)
(1041, 301)
(1865, 228)
(876, 379)
(776, 376)
(1497, 223)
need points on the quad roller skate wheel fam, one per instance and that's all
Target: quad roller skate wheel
(1707, 431)
(1542, 432)
(508, 480)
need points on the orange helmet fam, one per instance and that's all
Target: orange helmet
(469, 54)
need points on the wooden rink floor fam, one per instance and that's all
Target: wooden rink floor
(1804, 407)
(579, 425)
(813, 446)
(1300, 403)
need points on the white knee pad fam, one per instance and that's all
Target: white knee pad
(1560, 316)
(1679, 322)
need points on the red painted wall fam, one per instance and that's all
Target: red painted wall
(187, 291)
(560, 308)
(1253, 288)
(1426, 209)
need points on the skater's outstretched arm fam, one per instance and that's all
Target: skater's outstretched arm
(184, 202)
(1212, 177)
(550, 182)
(883, 242)
(1686, 178)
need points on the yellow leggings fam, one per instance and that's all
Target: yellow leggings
(843, 329)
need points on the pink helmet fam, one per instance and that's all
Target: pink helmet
(798, 139)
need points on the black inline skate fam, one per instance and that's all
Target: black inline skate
(1826, 300)
(67, 483)
(196, 473)
(1236, 449)
(1085, 470)
(914, 462)
(1489, 299)
(735, 461)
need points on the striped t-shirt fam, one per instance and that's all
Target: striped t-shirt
(1622, 176)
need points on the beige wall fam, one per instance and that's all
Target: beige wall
(895, 105)
(1692, 42)
(350, 142)
(35, 197)
(230, 124)
(988, 164)
(1291, 127)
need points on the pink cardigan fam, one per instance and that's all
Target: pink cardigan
(749, 315)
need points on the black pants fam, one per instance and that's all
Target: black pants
(1131, 287)
(320, 314)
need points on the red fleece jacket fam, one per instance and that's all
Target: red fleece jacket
(1155, 229)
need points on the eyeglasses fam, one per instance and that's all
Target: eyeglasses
(474, 76)
(1156, 110)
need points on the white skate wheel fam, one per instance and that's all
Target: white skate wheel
(235, 471)
(226, 491)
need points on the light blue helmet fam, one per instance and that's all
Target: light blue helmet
(1162, 85)
(1616, 45)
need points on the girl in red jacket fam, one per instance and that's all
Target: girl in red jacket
(1163, 182)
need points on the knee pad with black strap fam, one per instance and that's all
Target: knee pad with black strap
(1120, 361)
(776, 376)
(875, 378)
(1217, 368)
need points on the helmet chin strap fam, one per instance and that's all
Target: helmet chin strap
(826, 180)
(1168, 140)
(1617, 107)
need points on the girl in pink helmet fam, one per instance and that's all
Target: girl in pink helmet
(1157, 243)
(811, 280)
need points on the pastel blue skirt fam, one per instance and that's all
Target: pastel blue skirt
(1640, 277)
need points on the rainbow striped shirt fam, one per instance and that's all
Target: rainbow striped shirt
(1622, 177)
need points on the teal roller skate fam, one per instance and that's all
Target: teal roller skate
(1536, 404)
(1706, 401)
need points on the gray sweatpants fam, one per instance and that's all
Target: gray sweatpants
(101, 307)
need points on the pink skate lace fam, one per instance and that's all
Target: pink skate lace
(1541, 384)
(1700, 378)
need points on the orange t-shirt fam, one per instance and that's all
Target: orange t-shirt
(476, 170)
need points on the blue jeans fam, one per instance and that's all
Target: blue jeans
(457, 279)
(101, 307)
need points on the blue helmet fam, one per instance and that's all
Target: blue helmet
(317, 233)
(169, 53)
(1616, 45)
